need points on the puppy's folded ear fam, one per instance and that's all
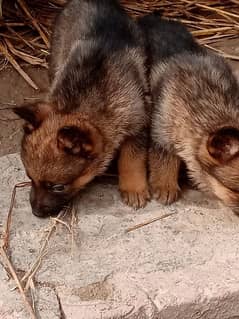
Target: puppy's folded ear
(33, 114)
(224, 144)
(84, 140)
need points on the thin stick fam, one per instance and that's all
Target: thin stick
(9, 216)
(17, 66)
(32, 292)
(36, 265)
(223, 54)
(148, 222)
(8, 119)
(32, 275)
(20, 37)
(209, 31)
(216, 38)
(8, 103)
(226, 13)
(15, 277)
(35, 24)
(73, 221)
(62, 223)
(24, 56)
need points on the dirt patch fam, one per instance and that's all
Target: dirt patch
(14, 91)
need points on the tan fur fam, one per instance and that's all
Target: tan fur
(196, 119)
(133, 175)
(95, 103)
(164, 173)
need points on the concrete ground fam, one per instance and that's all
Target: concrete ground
(181, 267)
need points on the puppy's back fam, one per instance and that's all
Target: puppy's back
(91, 25)
(166, 38)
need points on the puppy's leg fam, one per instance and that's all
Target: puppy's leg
(164, 172)
(132, 167)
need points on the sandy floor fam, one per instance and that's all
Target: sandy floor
(185, 266)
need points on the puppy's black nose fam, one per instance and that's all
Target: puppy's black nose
(46, 211)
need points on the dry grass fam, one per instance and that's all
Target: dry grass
(6, 234)
(26, 283)
(26, 25)
(13, 273)
(4, 248)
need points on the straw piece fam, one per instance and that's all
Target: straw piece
(4, 247)
(209, 31)
(216, 10)
(18, 35)
(25, 57)
(206, 20)
(223, 54)
(73, 222)
(9, 215)
(43, 250)
(15, 277)
(62, 223)
(148, 222)
(34, 22)
(17, 66)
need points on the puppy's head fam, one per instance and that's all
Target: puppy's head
(61, 154)
(219, 159)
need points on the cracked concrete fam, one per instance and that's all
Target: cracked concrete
(184, 266)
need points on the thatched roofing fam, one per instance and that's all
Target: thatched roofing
(25, 25)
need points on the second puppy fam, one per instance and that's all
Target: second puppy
(195, 115)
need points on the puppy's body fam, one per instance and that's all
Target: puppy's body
(95, 106)
(165, 38)
(195, 119)
(94, 45)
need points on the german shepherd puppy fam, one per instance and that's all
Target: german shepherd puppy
(195, 116)
(95, 107)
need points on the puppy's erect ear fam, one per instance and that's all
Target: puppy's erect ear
(224, 144)
(33, 114)
(84, 140)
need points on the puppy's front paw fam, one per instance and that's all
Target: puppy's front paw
(133, 184)
(165, 193)
(135, 198)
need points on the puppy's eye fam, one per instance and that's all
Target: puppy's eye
(55, 188)
(58, 188)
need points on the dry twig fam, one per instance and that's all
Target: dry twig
(223, 54)
(6, 234)
(28, 277)
(14, 63)
(34, 22)
(148, 222)
(24, 56)
(15, 277)
(73, 222)
(4, 246)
